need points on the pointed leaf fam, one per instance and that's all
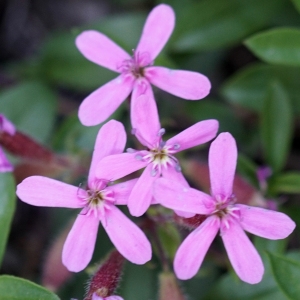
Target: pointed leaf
(285, 183)
(209, 24)
(14, 288)
(277, 46)
(31, 106)
(297, 4)
(286, 273)
(249, 87)
(7, 208)
(276, 126)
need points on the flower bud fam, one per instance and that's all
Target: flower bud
(169, 288)
(106, 279)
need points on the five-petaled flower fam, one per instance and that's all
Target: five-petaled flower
(5, 127)
(137, 72)
(97, 203)
(222, 214)
(158, 159)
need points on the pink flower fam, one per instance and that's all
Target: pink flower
(224, 214)
(98, 203)
(8, 127)
(137, 72)
(96, 297)
(159, 159)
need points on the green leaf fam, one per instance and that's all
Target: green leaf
(250, 86)
(274, 246)
(14, 288)
(207, 24)
(72, 136)
(210, 109)
(277, 46)
(170, 238)
(63, 65)
(285, 183)
(7, 208)
(276, 126)
(138, 282)
(287, 274)
(248, 169)
(31, 106)
(297, 4)
(230, 287)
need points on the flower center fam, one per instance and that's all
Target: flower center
(97, 199)
(136, 65)
(160, 155)
(225, 209)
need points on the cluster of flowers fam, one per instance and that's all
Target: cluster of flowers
(162, 181)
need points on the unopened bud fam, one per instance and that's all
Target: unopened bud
(169, 288)
(190, 223)
(24, 146)
(106, 279)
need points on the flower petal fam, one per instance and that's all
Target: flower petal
(122, 191)
(100, 104)
(127, 237)
(101, 50)
(80, 243)
(5, 165)
(265, 223)
(178, 197)
(197, 134)
(6, 125)
(96, 297)
(243, 256)
(111, 139)
(116, 166)
(184, 84)
(191, 252)
(177, 177)
(43, 191)
(141, 195)
(157, 30)
(145, 119)
(222, 163)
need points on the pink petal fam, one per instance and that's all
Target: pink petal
(122, 191)
(43, 191)
(96, 297)
(101, 50)
(175, 176)
(6, 125)
(99, 105)
(195, 135)
(157, 30)
(145, 119)
(80, 243)
(191, 252)
(181, 198)
(222, 163)
(116, 166)
(111, 139)
(141, 195)
(184, 84)
(266, 223)
(243, 256)
(5, 165)
(127, 237)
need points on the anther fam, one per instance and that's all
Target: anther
(161, 132)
